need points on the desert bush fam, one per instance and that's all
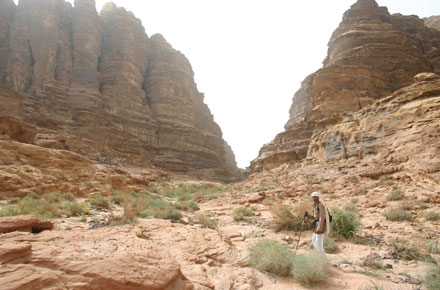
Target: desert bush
(345, 223)
(119, 220)
(33, 204)
(406, 206)
(243, 214)
(432, 279)
(53, 197)
(272, 257)
(330, 245)
(405, 250)
(186, 192)
(432, 247)
(168, 213)
(396, 195)
(398, 215)
(206, 221)
(99, 201)
(386, 181)
(432, 216)
(284, 218)
(350, 207)
(310, 268)
(73, 208)
(373, 261)
(9, 211)
(360, 191)
(187, 205)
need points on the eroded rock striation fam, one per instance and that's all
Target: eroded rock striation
(99, 86)
(371, 54)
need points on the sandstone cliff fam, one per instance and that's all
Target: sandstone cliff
(371, 54)
(99, 86)
(433, 22)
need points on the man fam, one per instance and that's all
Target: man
(321, 222)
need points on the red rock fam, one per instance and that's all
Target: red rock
(99, 86)
(371, 54)
(24, 223)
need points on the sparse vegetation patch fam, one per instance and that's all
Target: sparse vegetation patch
(272, 257)
(310, 268)
(345, 223)
(398, 215)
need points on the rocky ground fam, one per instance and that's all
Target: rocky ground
(85, 252)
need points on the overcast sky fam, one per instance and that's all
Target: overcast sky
(250, 56)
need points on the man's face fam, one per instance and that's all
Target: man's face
(315, 199)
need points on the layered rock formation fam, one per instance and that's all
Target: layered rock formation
(99, 261)
(99, 86)
(433, 22)
(401, 131)
(371, 54)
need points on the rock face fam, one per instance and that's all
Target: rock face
(26, 168)
(433, 22)
(156, 255)
(371, 54)
(401, 131)
(99, 86)
(107, 259)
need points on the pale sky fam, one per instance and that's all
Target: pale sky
(249, 57)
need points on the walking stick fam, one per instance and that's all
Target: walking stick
(302, 224)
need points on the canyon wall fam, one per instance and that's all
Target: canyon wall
(100, 86)
(371, 54)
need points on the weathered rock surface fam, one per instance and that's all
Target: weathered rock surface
(24, 224)
(371, 54)
(155, 255)
(401, 131)
(26, 168)
(99, 86)
(433, 22)
(110, 258)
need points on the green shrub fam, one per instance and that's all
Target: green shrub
(330, 245)
(168, 213)
(9, 211)
(187, 205)
(53, 197)
(74, 208)
(432, 279)
(396, 195)
(243, 214)
(272, 257)
(206, 221)
(69, 196)
(310, 268)
(373, 261)
(432, 216)
(345, 223)
(33, 204)
(99, 201)
(398, 215)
